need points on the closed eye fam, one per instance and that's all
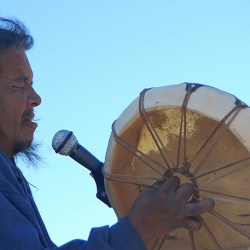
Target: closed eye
(21, 80)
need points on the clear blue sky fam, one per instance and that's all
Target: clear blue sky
(92, 58)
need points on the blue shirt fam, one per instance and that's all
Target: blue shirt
(22, 228)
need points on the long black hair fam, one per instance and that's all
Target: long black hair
(14, 34)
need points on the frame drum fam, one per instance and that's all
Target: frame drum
(198, 133)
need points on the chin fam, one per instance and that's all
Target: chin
(22, 145)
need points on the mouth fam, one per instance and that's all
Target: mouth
(28, 120)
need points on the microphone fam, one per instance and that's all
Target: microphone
(64, 142)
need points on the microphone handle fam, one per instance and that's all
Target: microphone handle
(86, 159)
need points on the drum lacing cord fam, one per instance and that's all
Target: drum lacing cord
(224, 220)
(216, 129)
(113, 177)
(220, 168)
(190, 90)
(205, 226)
(236, 110)
(120, 178)
(227, 195)
(239, 106)
(161, 244)
(137, 153)
(154, 133)
(231, 224)
(141, 155)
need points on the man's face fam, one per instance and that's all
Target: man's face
(17, 101)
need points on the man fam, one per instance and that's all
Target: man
(156, 212)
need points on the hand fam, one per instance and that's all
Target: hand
(159, 211)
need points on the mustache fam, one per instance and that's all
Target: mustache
(28, 114)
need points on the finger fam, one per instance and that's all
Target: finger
(156, 185)
(191, 223)
(201, 207)
(171, 184)
(159, 183)
(184, 192)
(168, 173)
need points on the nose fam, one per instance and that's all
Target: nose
(34, 99)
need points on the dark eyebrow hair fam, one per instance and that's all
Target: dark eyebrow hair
(22, 78)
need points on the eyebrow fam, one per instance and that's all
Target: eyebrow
(20, 78)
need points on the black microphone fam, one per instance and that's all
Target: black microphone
(64, 142)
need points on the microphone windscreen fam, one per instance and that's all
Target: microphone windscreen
(64, 141)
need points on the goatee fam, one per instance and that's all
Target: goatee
(29, 155)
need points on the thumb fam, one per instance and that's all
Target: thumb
(201, 207)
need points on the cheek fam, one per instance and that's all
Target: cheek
(11, 116)
(17, 107)
(12, 107)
